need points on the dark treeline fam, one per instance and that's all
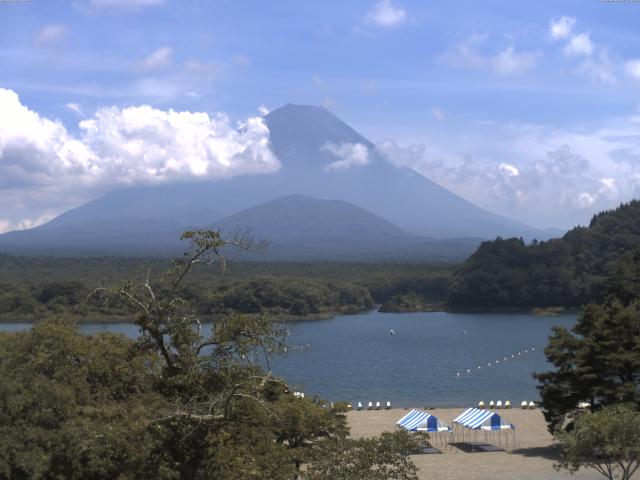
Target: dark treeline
(35, 287)
(567, 272)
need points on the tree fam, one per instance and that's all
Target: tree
(598, 361)
(173, 404)
(379, 458)
(239, 419)
(607, 441)
(73, 406)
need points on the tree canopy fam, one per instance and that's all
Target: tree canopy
(568, 271)
(607, 441)
(598, 361)
(173, 404)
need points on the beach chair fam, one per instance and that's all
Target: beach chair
(499, 404)
(480, 404)
(524, 404)
(492, 404)
(532, 405)
(388, 407)
(359, 405)
(507, 404)
(370, 406)
(377, 405)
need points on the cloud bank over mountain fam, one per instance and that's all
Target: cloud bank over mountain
(41, 161)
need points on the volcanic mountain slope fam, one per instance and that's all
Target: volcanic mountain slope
(308, 141)
(301, 227)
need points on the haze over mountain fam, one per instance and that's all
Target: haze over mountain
(321, 157)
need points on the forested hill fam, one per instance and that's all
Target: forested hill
(567, 271)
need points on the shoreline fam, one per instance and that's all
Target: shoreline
(532, 458)
(118, 319)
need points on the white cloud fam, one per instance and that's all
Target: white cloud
(41, 162)
(633, 68)
(159, 58)
(467, 54)
(263, 110)
(438, 114)
(580, 44)
(508, 170)
(385, 14)
(74, 107)
(596, 61)
(599, 67)
(51, 34)
(536, 174)
(561, 27)
(510, 62)
(7, 225)
(349, 154)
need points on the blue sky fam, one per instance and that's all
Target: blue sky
(529, 109)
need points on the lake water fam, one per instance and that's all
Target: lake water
(355, 358)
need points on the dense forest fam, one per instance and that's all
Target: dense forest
(502, 274)
(33, 288)
(565, 272)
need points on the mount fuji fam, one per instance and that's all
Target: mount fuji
(362, 205)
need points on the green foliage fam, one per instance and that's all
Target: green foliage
(599, 359)
(565, 272)
(406, 302)
(607, 441)
(32, 288)
(172, 405)
(379, 458)
(72, 406)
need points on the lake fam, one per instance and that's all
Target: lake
(355, 357)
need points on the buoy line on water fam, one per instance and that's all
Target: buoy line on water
(497, 362)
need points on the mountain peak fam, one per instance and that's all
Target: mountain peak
(299, 134)
(289, 107)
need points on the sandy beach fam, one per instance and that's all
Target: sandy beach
(532, 459)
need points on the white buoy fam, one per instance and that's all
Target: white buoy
(479, 367)
(468, 371)
(533, 349)
(458, 374)
(489, 364)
